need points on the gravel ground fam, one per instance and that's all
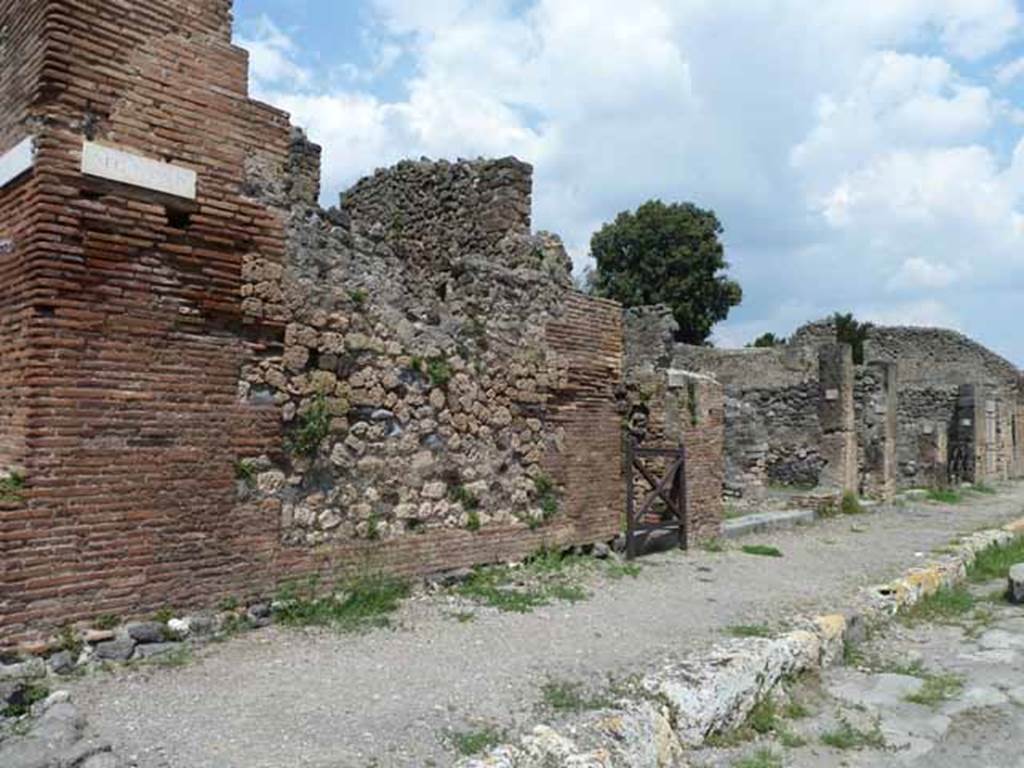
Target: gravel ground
(280, 697)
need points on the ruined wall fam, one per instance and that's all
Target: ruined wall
(772, 425)
(670, 406)
(933, 365)
(430, 340)
(212, 395)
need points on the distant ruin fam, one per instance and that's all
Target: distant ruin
(212, 385)
(929, 407)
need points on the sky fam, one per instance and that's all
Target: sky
(862, 155)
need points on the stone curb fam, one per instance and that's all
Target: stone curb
(768, 521)
(709, 693)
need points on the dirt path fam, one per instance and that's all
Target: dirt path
(288, 698)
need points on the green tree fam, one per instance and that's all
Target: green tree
(850, 331)
(768, 340)
(667, 254)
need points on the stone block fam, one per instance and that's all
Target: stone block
(1016, 587)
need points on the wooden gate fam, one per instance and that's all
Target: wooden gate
(662, 507)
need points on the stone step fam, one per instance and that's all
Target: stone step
(768, 521)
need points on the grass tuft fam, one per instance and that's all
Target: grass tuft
(21, 701)
(763, 758)
(749, 630)
(543, 577)
(936, 689)
(995, 562)
(850, 505)
(566, 696)
(846, 736)
(944, 496)
(944, 606)
(361, 603)
(474, 742)
(762, 550)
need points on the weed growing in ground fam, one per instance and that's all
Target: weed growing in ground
(995, 562)
(795, 710)
(764, 717)
(749, 630)
(438, 371)
(846, 736)
(763, 758)
(616, 569)
(245, 471)
(106, 621)
(944, 496)
(360, 603)
(545, 576)
(23, 700)
(762, 549)
(473, 742)
(566, 696)
(792, 740)
(944, 606)
(713, 545)
(936, 689)
(850, 505)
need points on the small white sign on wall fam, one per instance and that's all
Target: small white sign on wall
(17, 161)
(831, 394)
(128, 168)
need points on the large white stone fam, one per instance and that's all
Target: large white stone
(16, 161)
(112, 164)
(1017, 584)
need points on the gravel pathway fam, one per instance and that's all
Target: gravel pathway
(280, 697)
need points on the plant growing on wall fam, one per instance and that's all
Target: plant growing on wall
(11, 486)
(314, 424)
(850, 331)
(667, 254)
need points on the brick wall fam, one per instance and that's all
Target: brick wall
(124, 333)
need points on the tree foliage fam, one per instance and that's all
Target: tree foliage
(768, 340)
(667, 254)
(850, 331)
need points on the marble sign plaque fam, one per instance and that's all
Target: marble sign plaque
(16, 161)
(128, 168)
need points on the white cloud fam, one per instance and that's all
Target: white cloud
(1010, 71)
(271, 54)
(927, 313)
(918, 272)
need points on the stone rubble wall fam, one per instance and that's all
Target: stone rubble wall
(453, 366)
